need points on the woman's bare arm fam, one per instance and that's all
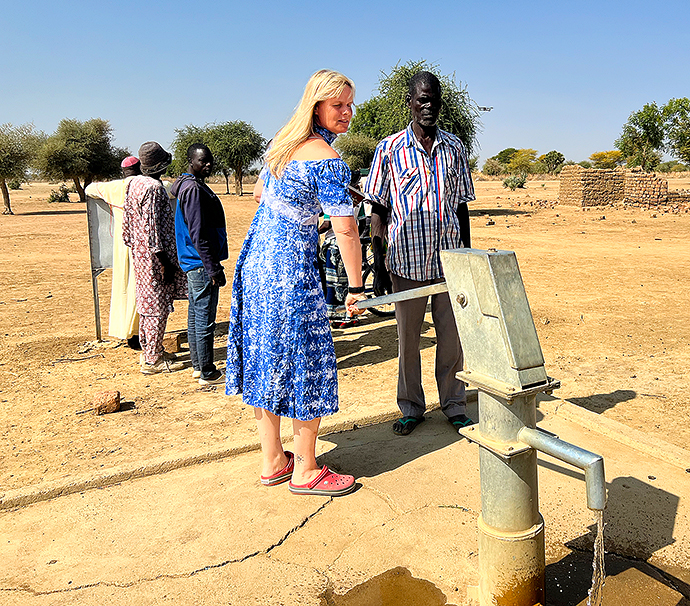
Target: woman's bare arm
(258, 188)
(347, 236)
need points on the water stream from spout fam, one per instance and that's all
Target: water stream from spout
(599, 574)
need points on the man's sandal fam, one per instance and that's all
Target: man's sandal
(406, 425)
(283, 475)
(460, 421)
(326, 484)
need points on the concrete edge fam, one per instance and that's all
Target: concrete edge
(20, 497)
(634, 438)
(36, 493)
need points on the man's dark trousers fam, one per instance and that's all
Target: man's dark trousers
(410, 316)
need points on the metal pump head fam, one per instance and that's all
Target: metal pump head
(499, 339)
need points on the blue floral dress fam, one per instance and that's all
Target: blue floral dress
(280, 349)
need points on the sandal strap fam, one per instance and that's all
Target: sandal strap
(324, 473)
(406, 420)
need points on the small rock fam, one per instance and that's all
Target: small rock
(171, 343)
(105, 402)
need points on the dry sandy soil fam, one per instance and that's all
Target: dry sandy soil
(608, 289)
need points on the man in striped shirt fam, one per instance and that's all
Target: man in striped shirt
(423, 177)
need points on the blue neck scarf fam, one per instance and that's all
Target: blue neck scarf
(325, 133)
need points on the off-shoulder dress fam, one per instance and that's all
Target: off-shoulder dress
(280, 349)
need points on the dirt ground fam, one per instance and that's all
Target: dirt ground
(608, 287)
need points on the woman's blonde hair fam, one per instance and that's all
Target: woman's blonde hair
(324, 84)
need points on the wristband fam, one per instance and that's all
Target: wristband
(355, 290)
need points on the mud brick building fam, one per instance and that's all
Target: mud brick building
(605, 187)
(590, 187)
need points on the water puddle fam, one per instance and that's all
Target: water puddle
(395, 587)
(599, 574)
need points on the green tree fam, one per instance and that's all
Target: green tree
(356, 149)
(552, 161)
(522, 161)
(505, 155)
(607, 159)
(677, 126)
(82, 152)
(642, 138)
(235, 146)
(18, 148)
(184, 137)
(387, 112)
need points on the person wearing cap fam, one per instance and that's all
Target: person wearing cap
(148, 228)
(202, 243)
(124, 319)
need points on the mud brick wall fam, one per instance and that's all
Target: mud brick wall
(679, 196)
(591, 187)
(644, 188)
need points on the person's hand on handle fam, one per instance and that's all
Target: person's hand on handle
(350, 304)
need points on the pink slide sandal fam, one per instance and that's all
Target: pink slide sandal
(283, 475)
(326, 484)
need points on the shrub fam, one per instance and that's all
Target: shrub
(14, 184)
(540, 168)
(492, 167)
(585, 164)
(60, 195)
(672, 166)
(515, 181)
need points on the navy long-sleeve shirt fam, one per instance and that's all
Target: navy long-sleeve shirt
(200, 231)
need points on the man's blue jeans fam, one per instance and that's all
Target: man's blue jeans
(201, 320)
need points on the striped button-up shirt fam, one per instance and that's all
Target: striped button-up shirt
(423, 192)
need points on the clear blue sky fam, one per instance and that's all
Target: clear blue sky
(561, 76)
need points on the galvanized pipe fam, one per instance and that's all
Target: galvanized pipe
(510, 499)
(511, 530)
(591, 463)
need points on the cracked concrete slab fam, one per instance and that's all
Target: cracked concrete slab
(173, 524)
(257, 581)
(212, 534)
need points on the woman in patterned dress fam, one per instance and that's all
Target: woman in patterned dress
(280, 349)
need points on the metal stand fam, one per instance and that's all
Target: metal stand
(96, 305)
(504, 361)
(511, 529)
(99, 225)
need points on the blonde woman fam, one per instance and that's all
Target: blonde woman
(280, 349)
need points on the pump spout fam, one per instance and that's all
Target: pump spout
(591, 463)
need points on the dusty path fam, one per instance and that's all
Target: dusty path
(608, 290)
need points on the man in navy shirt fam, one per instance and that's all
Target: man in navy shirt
(202, 243)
